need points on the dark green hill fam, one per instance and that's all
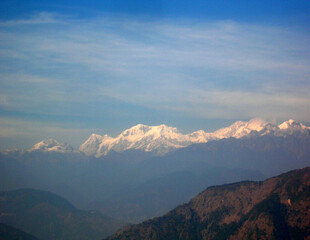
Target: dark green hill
(48, 216)
(11, 233)
(278, 208)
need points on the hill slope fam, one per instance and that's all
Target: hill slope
(48, 216)
(278, 208)
(11, 233)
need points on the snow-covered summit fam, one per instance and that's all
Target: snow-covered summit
(51, 145)
(292, 124)
(162, 139)
(92, 144)
(139, 131)
(240, 129)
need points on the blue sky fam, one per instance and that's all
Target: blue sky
(70, 68)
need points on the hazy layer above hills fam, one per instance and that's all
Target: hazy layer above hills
(135, 185)
(121, 188)
(278, 208)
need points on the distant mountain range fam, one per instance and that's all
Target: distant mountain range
(162, 139)
(134, 185)
(278, 208)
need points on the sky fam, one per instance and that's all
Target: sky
(71, 68)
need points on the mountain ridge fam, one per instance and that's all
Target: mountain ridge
(163, 139)
(277, 208)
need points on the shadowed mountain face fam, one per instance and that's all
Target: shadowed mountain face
(48, 216)
(278, 208)
(11, 233)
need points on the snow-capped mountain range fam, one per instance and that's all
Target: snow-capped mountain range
(162, 139)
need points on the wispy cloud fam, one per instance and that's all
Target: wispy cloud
(3, 100)
(220, 69)
(227, 104)
(40, 18)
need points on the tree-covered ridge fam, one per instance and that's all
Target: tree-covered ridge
(278, 208)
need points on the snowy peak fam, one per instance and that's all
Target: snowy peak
(240, 129)
(200, 136)
(139, 131)
(92, 144)
(291, 124)
(51, 145)
(287, 124)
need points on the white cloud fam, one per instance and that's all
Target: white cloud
(25, 78)
(227, 104)
(221, 69)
